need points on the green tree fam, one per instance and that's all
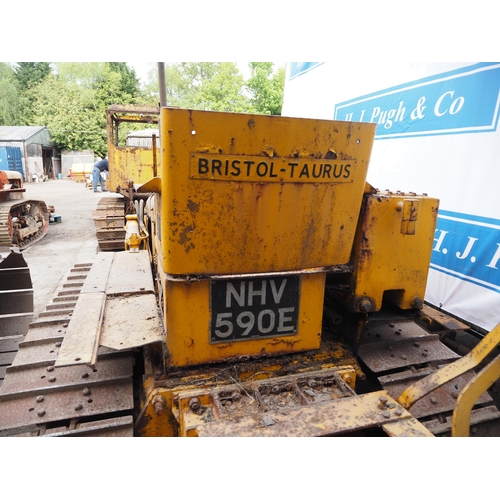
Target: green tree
(223, 91)
(30, 74)
(102, 83)
(201, 85)
(73, 102)
(10, 101)
(129, 82)
(73, 122)
(266, 87)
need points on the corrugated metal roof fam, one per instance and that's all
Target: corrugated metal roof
(143, 138)
(9, 134)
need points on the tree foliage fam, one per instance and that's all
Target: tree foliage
(10, 99)
(266, 88)
(71, 98)
(221, 87)
(30, 74)
(73, 121)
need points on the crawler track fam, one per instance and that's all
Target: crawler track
(109, 218)
(35, 222)
(39, 399)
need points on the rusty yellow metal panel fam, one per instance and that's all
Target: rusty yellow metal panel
(257, 194)
(129, 163)
(392, 250)
(192, 321)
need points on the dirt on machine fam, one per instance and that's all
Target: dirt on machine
(259, 287)
(23, 221)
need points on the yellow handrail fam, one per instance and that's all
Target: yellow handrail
(426, 385)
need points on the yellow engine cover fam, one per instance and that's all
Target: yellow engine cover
(256, 194)
(253, 211)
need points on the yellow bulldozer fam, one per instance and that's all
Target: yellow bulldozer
(259, 287)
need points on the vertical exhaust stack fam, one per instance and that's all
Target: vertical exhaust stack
(162, 85)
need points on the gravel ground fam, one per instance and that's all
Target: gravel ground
(70, 242)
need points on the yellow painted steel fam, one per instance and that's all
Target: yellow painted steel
(138, 164)
(255, 194)
(449, 372)
(407, 427)
(392, 250)
(460, 423)
(129, 163)
(252, 195)
(187, 306)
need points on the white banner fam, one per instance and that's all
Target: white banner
(438, 134)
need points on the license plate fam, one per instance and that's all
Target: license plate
(254, 308)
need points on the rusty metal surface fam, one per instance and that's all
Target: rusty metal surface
(16, 294)
(36, 396)
(339, 416)
(131, 321)
(116, 308)
(409, 427)
(97, 276)
(389, 355)
(41, 352)
(130, 273)
(66, 403)
(8, 350)
(442, 319)
(391, 330)
(49, 378)
(113, 427)
(487, 417)
(442, 399)
(319, 403)
(109, 220)
(81, 341)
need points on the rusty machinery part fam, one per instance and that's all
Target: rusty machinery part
(314, 393)
(109, 219)
(16, 304)
(38, 398)
(23, 223)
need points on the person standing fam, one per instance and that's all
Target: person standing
(99, 167)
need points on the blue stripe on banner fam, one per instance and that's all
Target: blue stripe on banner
(468, 248)
(299, 68)
(457, 102)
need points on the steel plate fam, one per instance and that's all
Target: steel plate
(384, 356)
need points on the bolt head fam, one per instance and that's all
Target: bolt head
(365, 306)
(41, 413)
(39, 399)
(86, 391)
(417, 303)
(194, 404)
(78, 407)
(50, 368)
(52, 379)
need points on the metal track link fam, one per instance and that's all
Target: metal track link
(109, 219)
(39, 399)
(6, 238)
(400, 352)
